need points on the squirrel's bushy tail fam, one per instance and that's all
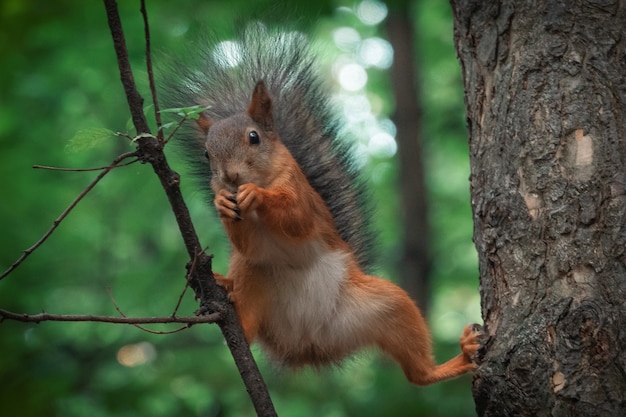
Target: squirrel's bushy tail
(222, 75)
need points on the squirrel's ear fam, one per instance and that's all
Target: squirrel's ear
(260, 108)
(204, 122)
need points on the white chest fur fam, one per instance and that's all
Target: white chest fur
(316, 313)
(307, 297)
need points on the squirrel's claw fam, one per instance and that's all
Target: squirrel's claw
(226, 205)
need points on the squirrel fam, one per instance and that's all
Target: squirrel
(291, 202)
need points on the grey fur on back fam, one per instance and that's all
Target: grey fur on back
(303, 116)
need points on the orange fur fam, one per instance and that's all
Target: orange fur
(295, 283)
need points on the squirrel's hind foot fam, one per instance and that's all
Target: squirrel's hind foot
(470, 341)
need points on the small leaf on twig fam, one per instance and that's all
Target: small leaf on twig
(166, 126)
(192, 112)
(86, 139)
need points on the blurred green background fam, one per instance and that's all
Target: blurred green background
(59, 76)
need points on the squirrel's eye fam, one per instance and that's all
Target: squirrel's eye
(253, 136)
(206, 154)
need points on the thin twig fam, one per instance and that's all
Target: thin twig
(135, 100)
(180, 298)
(155, 100)
(140, 327)
(82, 169)
(190, 272)
(178, 125)
(38, 318)
(145, 329)
(67, 211)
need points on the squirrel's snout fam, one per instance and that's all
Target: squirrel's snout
(229, 177)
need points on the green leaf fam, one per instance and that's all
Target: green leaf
(166, 126)
(192, 112)
(86, 139)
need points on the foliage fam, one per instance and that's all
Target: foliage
(59, 77)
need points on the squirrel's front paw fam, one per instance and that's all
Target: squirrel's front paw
(226, 205)
(249, 198)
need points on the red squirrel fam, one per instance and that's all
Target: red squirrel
(296, 274)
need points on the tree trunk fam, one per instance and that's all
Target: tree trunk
(545, 90)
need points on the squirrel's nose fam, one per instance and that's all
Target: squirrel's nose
(229, 177)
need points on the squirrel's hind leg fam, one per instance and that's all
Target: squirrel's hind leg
(460, 364)
(404, 335)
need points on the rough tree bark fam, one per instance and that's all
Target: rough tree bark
(546, 112)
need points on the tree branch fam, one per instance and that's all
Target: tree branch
(82, 169)
(155, 100)
(38, 318)
(212, 296)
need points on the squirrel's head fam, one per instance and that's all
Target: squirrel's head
(244, 147)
